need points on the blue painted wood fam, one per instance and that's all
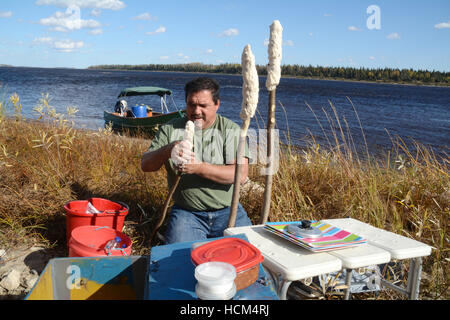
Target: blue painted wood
(171, 275)
(112, 274)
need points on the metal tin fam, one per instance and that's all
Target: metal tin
(304, 230)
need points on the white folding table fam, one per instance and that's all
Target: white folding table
(399, 247)
(288, 262)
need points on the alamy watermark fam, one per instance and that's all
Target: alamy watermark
(73, 280)
(217, 147)
(374, 20)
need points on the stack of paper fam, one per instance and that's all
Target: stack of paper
(332, 238)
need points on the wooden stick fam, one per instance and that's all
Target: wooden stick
(238, 173)
(250, 93)
(272, 80)
(269, 174)
(165, 207)
(189, 137)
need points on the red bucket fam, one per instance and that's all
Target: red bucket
(112, 214)
(90, 241)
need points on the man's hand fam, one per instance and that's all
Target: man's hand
(182, 153)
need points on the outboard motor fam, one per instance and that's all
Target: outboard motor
(121, 108)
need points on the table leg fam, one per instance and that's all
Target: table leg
(413, 281)
(348, 282)
(414, 274)
(283, 288)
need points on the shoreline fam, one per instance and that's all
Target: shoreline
(443, 85)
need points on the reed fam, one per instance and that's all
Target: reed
(46, 163)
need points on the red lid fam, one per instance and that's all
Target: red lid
(241, 254)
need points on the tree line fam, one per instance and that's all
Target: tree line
(316, 72)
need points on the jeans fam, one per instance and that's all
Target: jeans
(199, 225)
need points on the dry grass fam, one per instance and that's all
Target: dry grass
(46, 163)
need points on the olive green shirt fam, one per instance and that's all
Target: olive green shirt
(216, 145)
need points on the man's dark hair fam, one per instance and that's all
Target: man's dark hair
(203, 83)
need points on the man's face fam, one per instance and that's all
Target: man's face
(200, 106)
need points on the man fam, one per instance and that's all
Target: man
(121, 108)
(203, 196)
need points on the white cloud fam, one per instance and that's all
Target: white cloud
(144, 16)
(164, 57)
(393, 36)
(68, 21)
(372, 58)
(442, 25)
(229, 33)
(5, 14)
(310, 34)
(64, 45)
(209, 51)
(99, 4)
(159, 30)
(67, 45)
(327, 14)
(96, 32)
(353, 28)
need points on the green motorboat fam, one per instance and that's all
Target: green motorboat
(140, 119)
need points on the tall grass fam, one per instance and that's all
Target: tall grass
(46, 163)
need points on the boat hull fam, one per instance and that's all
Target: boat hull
(148, 125)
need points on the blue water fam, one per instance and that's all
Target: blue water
(385, 111)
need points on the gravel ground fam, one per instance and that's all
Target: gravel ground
(20, 269)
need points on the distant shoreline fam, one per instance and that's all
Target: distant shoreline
(376, 82)
(287, 77)
(439, 84)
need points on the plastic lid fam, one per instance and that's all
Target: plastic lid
(215, 273)
(241, 254)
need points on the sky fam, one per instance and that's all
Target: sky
(349, 33)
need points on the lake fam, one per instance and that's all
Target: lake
(304, 106)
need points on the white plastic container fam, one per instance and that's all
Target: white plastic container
(215, 281)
